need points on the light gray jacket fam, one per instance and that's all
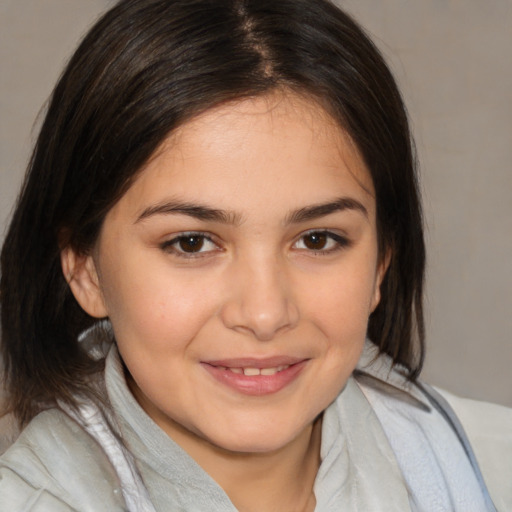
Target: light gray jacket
(386, 446)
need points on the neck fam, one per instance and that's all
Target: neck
(275, 481)
(272, 481)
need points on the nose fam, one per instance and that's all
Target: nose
(260, 301)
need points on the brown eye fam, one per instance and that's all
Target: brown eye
(191, 243)
(321, 242)
(315, 241)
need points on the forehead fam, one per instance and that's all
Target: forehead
(280, 147)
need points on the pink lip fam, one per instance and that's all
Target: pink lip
(253, 362)
(256, 385)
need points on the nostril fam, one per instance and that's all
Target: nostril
(263, 321)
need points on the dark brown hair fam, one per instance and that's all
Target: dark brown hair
(146, 67)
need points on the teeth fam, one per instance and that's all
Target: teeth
(252, 372)
(269, 371)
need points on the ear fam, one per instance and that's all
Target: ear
(82, 277)
(382, 268)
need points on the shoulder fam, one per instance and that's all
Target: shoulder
(55, 465)
(489, 429)
(483, 429)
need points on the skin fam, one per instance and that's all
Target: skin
(259, 285)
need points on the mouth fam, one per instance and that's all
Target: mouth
(252, 372)
(256, 377)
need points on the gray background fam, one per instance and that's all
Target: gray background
(453, 61)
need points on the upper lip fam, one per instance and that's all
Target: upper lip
(251, 362)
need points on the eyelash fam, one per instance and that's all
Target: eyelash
(340, 243)
(171, 245)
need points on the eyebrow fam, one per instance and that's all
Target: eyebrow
(206, 213)
(196, 211)
(321, 210)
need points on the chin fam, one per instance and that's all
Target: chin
(255, 439)
(252, 446)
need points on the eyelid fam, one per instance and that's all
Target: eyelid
(342, 241)
(170, 244)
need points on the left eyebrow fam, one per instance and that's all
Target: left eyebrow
(196, 211)
(321, 210)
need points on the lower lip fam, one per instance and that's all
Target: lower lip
(256, 385)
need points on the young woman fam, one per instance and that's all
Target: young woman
(212, 283)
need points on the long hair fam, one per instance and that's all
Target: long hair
(144, 69)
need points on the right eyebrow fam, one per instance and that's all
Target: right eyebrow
(197, 211)
(317, 211)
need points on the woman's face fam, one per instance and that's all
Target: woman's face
(239, 271)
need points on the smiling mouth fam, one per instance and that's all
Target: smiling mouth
(252, 372)
(256, 377)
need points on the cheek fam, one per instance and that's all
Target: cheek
(155, 310)
(342, 300)
(339, 305)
